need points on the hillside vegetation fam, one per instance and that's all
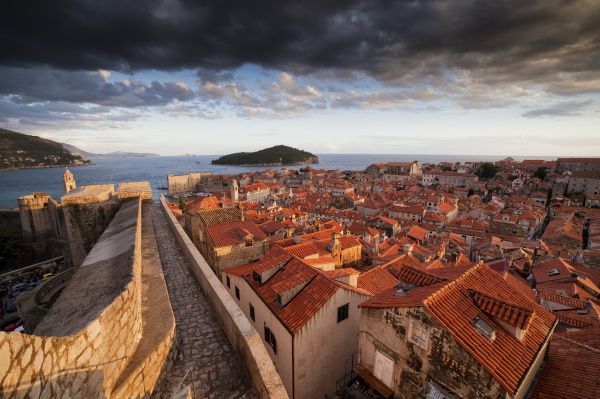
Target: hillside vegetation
(19, 150)
(278, 155)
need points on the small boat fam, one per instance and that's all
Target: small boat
(162, 188)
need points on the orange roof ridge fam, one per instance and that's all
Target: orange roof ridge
(417, 277)
(451, 283)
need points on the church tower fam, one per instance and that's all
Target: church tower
(234, 191)
(68, 182)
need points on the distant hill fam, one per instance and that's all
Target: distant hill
(19, 150)
(115, 154)
(273, 156)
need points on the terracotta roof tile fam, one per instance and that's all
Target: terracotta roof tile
(571, 371)
(376, 280)
(453, 308)
(232, 233)
(510, 313)
(564, 300)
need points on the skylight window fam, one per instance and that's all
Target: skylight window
(484, 329)
(403, 291)
(553, 272)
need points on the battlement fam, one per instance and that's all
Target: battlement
(97, 193)
(35, 200)
(135, 189)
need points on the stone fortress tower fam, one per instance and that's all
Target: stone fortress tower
(68, 181)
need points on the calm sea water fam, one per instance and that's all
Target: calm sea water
(16, 183)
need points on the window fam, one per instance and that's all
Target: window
(418, 335)
(270, 339)
(237, 292)
(228, 282)
(252, 316)
(343, 312)
(249, 242)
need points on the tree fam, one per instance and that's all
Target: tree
(540, 173)
(471, 192)
(487, 170)
(446, 168)
(8, 238)
(181, 204)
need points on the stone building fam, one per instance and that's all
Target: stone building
(395, 171)
(454, 178)
(459, 331)
(308, 319)
(577, 164)
(189, 183)
(587, 182)
(227, 238)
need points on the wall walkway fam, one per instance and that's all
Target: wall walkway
(244, 339)
(204, 347)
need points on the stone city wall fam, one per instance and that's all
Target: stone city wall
(244, 338)
(85, 223)
(92, 332)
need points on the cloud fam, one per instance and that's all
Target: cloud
(45, 84)
(566, 108)
(548, 43)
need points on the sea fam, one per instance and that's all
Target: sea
(19, 182)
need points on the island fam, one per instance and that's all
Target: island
(273, 156)
(116, 154)
(18, 150)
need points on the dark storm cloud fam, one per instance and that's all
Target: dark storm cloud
(399, 42)
(44, 84)
(567, 108)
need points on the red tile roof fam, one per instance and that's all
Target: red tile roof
(564, 300)
(307, 249)
(228, 234)
(376, 280)
(454, 309)
(571, 371)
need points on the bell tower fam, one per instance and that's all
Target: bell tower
(234, 191)
(68, 182)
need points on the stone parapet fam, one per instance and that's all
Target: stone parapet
(94, 330)
(136, 189)
(244, 338)
(97, 193)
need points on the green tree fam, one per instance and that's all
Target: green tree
(487, 170)
(181, 204)
(471, 192)
(540, 173)
(8, 238)
(446, 168)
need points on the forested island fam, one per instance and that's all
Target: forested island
(273, 156)
(19, 150)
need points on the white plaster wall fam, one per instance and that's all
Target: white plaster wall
(264, 316)
(323, 345)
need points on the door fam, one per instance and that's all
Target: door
(384, 368)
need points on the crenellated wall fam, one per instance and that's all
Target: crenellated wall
(97, 341)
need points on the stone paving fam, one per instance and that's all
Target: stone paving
(204, 347)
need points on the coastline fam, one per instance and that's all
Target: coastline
(48, 167)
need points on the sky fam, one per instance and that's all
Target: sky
(462, 77)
